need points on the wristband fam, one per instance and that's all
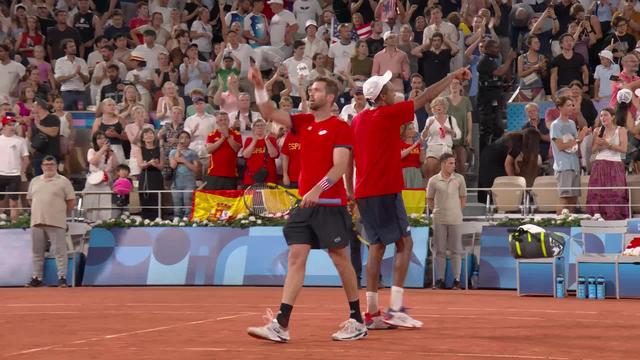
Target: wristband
(326, 183)
(261, 96)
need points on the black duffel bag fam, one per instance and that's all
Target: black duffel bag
(525, 244)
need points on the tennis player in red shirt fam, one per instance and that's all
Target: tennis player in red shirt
(378, 189)
(326, 143)
(223, 145)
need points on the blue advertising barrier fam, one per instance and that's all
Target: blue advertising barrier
(216, 256)
(16, 267)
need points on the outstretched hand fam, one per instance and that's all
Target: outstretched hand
(462, 74)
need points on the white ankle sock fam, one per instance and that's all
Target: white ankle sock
(396, 298)
(372, 302)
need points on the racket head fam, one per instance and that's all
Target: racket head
(268, 199)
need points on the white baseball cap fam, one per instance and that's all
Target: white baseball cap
(275, 2)
(606, 54)
(386, 35)
(309, 23)
(624, 96)
(372, 87)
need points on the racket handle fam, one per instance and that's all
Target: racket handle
(329, 201)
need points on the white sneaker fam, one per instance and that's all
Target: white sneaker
(271, 331)
(375, 321)
(401, 319)
(351, 330)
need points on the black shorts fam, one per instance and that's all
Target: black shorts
(221, 183)
(322, 227)
(384, 218)
(10, 184)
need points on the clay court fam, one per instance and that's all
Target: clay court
(210, 323)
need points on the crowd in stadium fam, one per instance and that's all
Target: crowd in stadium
(174, 108)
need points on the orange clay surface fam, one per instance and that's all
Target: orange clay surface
(210, 323)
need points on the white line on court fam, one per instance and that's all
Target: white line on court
(131, 333)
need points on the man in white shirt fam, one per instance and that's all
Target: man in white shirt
(242, 119)
(438, 25)
(99, 78)
(141, 77)
(282, 28)
(341, 52)
(358, 104)
(11, 72)
(312, 44)
(199, 126)
(305, 10)
(162, 7)
(72, 74)
(14, 164)
(292, 64)
(150, 50)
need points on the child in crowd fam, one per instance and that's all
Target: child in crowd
(121, 188)
(186, 164)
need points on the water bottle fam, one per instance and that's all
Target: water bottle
(581, 292)
(474, 279)
(560, 286)
(591, 287)
(600, 288)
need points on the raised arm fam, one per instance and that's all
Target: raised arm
(267, 109)
(436, 89)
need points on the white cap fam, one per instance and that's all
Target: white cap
(275, 2)
(309, 23)
(606, 54)
(372, 87)
(624, 96)
(386, 35)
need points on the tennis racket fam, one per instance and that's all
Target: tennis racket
(263, 199)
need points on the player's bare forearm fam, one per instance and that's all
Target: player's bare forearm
(267, 109)
(348, 177)
(341, 159)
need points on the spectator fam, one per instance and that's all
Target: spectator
(11, 72)
(15, 163)
(282, 28)
(85, 22)
(358, 104)
(223, 145)
(255, 26)
(413, 157)
(627, 78)
(150, 50)
(108, 122)
(544, 34)
(142, 18)
(228, 100)
(534, 122)
(565, 139)
(200, 125)
(201, 33)
(114, 89)
(459, 107)
(313, 44)
(532, 66)
(193, 72)
(394, 60)
(305, 11)
(52, 199)
(122, 52)
(45, 18)
(627, 11)
(116, 26)
(67, 132)
(141, 77)
(45, 71)
(586, 113)
(568, 66)
(131, 98)
(133, 130)
(180, 46)
(168, 101)
(604, 10)
(360, 28)
(492, 159)
(407, 45)
(490, 96)
(30, 37)
(418, 29)
(24, 105)
(437, 24)
(290, 155)
(243, 8)
(435, 58)
(527, 159)
(230, 65)
(150, 158)
(294, 65)
(620, 43)
(156, 25)
(243, 119)
(165, 73)
(242, 54)
(57, 34)
(168, 137)
(608, 170)
(95, 57)
(587, 31)
(97, 192)
(191, 109)
(375, 42)
(341, 51)
(72, 74)
(446, 197)
(186, 165)
(417, 86)
(602, 86)
(440, 131)
(100, 78)
(45, 138)
(260, 150)
(360, 65)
